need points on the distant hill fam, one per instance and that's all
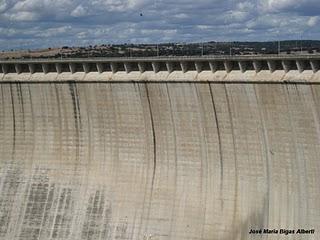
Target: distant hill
(171, 49)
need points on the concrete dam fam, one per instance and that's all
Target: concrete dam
(160, 148)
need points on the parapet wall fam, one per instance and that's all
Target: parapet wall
(273, 68)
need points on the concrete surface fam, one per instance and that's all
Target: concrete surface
(158, 160)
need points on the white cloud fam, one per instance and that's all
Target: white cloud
(3, 6)
(120, 5)
(313, 21)
(275, 5)
(302, 7)
(79, 11)
(53, 32)
(22, 16)
(8, 31)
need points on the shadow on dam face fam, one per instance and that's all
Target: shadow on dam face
(158, 160)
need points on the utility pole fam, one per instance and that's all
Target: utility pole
(182, 48)
(301, 43)
(158, 49)
(230, 48)
(202, 48)
(279, 47)
(130, 53)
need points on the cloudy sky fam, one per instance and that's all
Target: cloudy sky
(49, 23)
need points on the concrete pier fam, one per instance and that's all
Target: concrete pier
(159, 149)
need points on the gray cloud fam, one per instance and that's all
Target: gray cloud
(44, 23)
(302, 7)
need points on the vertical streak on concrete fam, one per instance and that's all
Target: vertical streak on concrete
(154, 139)
(201, 91)
(314, 166)
(13, 123)
(52, 232)
(306, 92)
(235, 208)
(91, 196)
(280, 133)
(116, 138)
(154, 158)
(176, 161)
(112, 126)
(20, 154)
(21, 105)
(22, 147)
(57, 95)
(142, 226)
(2, 153)
(291, 189)
(76, 116)
(30, 169)
(296, 98)
(2, 126)
(261, 109)
(7, 167)
(220, 146)
(59, 99)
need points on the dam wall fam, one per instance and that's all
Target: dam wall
(158, 159)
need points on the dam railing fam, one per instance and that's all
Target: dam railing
(201, 68)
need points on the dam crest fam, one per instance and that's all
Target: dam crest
(256, 68)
